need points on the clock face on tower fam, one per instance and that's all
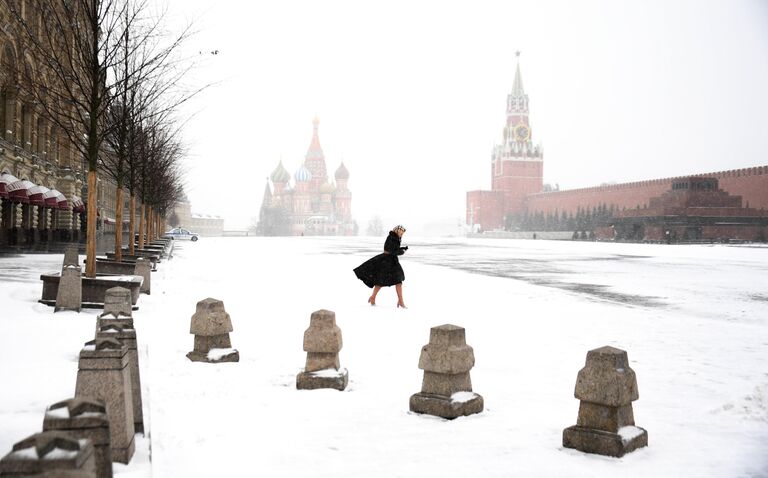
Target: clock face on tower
(522, 132)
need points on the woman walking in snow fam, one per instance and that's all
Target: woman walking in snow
(384, 270)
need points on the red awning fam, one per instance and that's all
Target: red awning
(77, 205)
(18, 191)
(5, 181)
(55, 199)
(36, 195)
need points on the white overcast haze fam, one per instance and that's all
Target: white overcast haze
(411, 95)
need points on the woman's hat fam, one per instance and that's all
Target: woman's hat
(398, 228)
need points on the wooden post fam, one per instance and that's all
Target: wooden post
(151, 220)
(132, 225)
(90, 240)
(142, 226)
(119, 224)
(149, 223)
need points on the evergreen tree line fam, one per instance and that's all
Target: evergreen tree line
(585, 219)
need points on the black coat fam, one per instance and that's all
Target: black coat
(383, 270)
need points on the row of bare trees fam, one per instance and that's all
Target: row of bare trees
(108, 75)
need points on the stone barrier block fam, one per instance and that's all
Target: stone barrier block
(50, 452)
(104, 374)
(127, 336)
(69, 295)
(322, 342)
(117, 303)
(144, 269)
(606, 388)
(446, 390)
(211, 325)
(84, 418)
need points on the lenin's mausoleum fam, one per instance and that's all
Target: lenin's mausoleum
(723, 205)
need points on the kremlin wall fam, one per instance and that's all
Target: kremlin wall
(640, 211)
(749, 183)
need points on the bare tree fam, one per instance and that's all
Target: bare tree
(150, 74)
(161, 184)
(77, 43)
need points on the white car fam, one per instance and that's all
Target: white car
(181, 233)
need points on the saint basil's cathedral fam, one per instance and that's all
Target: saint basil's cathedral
(723, 205)
(313, 205)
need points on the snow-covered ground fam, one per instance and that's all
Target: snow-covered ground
(693, 319)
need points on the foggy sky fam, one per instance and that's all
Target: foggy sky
(411, 95)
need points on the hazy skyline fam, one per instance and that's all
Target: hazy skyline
(411, 95)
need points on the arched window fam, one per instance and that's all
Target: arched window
(40, 146)
(26, 126)
(53, 147)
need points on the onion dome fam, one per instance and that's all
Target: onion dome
(280, 175)
(302, 174)
(342, 172)
(327, 188)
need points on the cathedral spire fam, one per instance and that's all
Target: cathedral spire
(315, 151)
(517, 87)
(315, 159)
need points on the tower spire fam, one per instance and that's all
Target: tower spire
(517, 86)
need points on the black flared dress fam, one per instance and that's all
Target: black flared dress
(383, 270)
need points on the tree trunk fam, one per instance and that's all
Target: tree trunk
(90, 238)
(149, 223)
(119, 224)
(132, 225)
(142, 225)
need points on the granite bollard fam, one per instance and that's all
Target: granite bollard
(144, 269)
(211, 326)
(606, 387)
(117, 303)
(104, 373)
(71, 256)
(446, 390)
(84, 418)
(52, 453)
(322, 342)
(126, 335)
(69, 295)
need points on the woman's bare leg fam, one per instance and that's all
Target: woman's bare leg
(399, 289)
(372, 298)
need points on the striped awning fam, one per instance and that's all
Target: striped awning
(77, 204)
(55, 199)
(18, 191)
(6, 180)
(37, 195)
